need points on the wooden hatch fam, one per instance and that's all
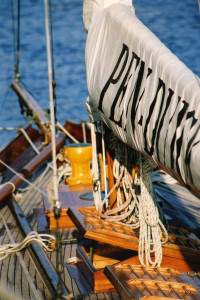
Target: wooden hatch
(136, 282)
(180, 250)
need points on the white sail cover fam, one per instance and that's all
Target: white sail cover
(143, 92)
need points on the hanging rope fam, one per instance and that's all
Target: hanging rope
(127, 208)
(152, 231)
(136, 211)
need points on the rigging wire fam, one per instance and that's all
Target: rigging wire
(52, 61)
(13, 29)
(16, 48)
(17, 74)
(199, 5)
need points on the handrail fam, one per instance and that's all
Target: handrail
(29, 168)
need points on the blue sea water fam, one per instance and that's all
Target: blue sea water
(176, 23)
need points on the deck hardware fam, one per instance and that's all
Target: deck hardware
(144, 285)
(173, 290)
(160, 289)
(132, 270)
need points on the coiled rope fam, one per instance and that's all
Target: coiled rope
(137, 210)
(45, 240)
(126, 212)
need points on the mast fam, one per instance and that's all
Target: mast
(52, 117)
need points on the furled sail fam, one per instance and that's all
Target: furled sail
(143, 92)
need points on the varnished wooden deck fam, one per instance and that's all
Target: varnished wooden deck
(35, 285)
(12, 275)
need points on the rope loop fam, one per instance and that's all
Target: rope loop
(45, 240)
(9, 182)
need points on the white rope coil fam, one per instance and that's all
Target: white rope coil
(45, 240)
(127, 212)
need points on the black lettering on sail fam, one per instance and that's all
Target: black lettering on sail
(135, 105)
(178, 152)
(120, 93)
(188, 158)
(112, 80)
(180, 117)
(135, 93)
(180, 140)
(169, 98)
(179, 99)
(191, 114)
(161, 85)
(189, 145)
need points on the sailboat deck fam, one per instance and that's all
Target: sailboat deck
(14, 278)
(31, 273)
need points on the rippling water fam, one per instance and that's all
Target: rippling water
(176, 23)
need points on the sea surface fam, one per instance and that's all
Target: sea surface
(176, 23)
